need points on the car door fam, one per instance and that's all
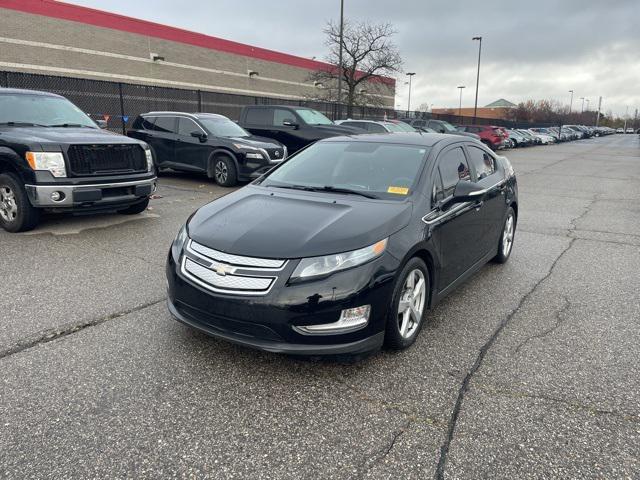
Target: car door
(455, 226)
(486, 173)
(162, 139)
(190, 152)
(290, 130)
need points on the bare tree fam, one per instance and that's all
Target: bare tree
(368, 55)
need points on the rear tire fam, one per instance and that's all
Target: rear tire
(408, 305)
(16, 212)
(224, 171)
(136, 208)
(505, 245)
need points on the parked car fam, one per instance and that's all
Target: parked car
(375, 126)
(629, 130)
(491, 135)
(346, 245)
(206, 143)
(54, 157)
(294, 127)
(533, 138)
(518, 139)
(545, 131)
(439, 126)
(620, 130)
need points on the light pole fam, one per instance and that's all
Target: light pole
(340, 60)
(475, 107)
(587, 100)
(460, 106)
(410, 75)
(570, 101)
(582, 108)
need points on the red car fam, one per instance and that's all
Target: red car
(492, 136)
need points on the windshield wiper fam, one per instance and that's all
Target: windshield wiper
(327, 188)
(22, 124)
(70, 125)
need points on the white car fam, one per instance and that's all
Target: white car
(619, 130)
(544, 138)
(629, 130)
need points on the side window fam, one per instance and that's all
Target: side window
(419, 123)
(436, 126)
(483, 163)
(186, 126)
(147, 123)
(453, 168)
(280, 116)
(358, 125)
(375, 128)
(259, 116)
(165, 124)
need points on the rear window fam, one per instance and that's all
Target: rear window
(483, 162)
(259, 116)
(165, 124)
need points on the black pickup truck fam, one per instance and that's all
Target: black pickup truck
(294, 127)
(54, 157)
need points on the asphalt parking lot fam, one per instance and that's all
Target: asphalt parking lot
(528, 371)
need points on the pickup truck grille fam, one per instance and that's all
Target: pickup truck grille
(106, 159)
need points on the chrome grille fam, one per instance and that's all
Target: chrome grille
(236, 260)
(232, 274)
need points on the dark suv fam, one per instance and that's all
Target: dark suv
(206, 143)
(54, 157)
(295, 127)
(438, 126)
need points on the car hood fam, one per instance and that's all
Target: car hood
(61, 135)
(465, 134)
(276, 223)
(257, 142)
(331, 130)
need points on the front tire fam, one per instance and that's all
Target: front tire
(224, 171)
(408, 305)
(16, 212)
(505, 245)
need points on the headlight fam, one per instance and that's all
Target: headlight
(320, 266)
(149, 157)
(51, 161)
(178, 243)
(257, 156)
(242, 146)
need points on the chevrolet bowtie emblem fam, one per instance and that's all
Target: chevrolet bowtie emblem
(221, 269)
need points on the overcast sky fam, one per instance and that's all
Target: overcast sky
(539, 49)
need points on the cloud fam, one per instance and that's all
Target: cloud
(534, 50)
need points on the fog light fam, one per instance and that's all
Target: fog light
(57, 196)
(350, 320)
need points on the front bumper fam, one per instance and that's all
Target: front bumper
(267, 322)
(91, 195)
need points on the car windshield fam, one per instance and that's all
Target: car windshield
(448, 127)
(400, 127)
(223, 127)
(42, 110)
(313, 117)
(380, 170)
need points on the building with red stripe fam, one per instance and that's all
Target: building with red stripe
(56, 38)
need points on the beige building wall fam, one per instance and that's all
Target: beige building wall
(39, 44)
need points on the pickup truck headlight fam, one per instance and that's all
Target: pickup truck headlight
(149, 157)
(51, 161)
(321, 266)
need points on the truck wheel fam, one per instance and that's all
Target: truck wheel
(136, 208)
(16, 212)
(224, 171)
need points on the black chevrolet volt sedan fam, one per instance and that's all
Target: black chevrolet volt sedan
(344, 247)
(206, 143)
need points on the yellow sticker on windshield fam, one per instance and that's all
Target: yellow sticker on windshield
(398, 190)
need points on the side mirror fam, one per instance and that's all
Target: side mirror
(101, 123)
(467, 192)
(290, 123)
(200, 136)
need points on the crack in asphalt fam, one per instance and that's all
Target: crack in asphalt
(381, 454)
(559, 320)
(52, 334)
(464, 387)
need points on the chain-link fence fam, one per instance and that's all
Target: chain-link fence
(120, 103)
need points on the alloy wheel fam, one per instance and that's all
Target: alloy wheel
(8, 205)
(221, 172)
(507, 236)
(411, 304)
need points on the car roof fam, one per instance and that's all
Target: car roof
(398, 138)
(184, 114)
(21, 91)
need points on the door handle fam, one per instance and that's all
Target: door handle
(478, 205)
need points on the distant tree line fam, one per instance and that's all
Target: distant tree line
(552, 111)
